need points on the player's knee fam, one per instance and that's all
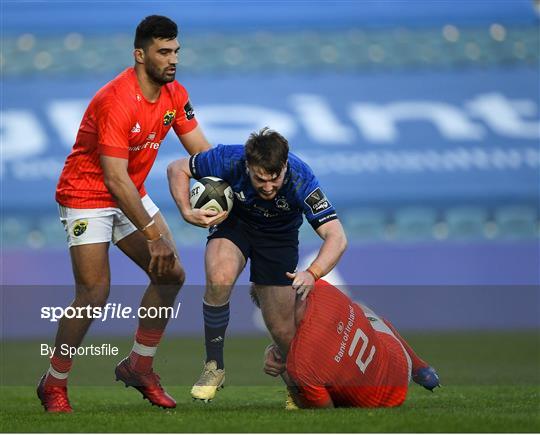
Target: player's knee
(95, 296)
(281, 332)
(174, 278)
(219, 285)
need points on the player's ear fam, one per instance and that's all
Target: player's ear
(138, 55)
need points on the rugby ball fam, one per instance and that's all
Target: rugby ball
(211, 193)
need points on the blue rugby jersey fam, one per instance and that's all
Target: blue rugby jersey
(300, 193)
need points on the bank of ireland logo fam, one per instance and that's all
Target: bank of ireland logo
(79, 227)
(340, 327)
(168, 117)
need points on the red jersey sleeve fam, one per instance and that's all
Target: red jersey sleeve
(310, 394)
(184, 121)
(113, 127)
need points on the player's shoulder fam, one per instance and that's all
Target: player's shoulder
(300, 177)
(121, 90)
(324, 293)
(176, 89)
(229, 152)
(298, 167)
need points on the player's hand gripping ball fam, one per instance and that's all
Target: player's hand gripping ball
(212, 193)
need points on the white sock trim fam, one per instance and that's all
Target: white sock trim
(57, 375)
(212, 305)
(142, 350)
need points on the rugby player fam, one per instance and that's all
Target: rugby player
(344, 355)
(273, 190)
(102, 199)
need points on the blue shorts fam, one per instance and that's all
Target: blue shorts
(271, 255)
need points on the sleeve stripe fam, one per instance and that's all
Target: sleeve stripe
(318, 221)
(192, 166)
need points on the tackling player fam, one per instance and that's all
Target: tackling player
(273, 189)
(344, 355)
(102, 199)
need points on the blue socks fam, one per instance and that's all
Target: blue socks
(216, 320)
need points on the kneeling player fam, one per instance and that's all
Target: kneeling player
(344, 355)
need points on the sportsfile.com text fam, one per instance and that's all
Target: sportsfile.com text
(110, 311)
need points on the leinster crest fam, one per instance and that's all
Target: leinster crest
(168, 117)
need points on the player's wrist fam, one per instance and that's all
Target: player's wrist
(159, 237)
(151, 231)
(315, 271)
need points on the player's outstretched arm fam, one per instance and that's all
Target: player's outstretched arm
(179, 174)
(333, 247)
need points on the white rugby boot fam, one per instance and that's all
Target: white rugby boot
(289, 403)
(209, 383)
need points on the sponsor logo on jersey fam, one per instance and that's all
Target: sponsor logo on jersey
(371, 319)
(79, 227)
(188, 108)
(282, 204)
(168, 117)
(151, 136)
(317, 201)
(340, 327)
(136, 128)
(345, 337)
(264, 211)
(148, 144)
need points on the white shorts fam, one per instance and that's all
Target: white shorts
(97, 225)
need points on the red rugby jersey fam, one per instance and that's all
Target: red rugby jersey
(120, 122)
(337, 354)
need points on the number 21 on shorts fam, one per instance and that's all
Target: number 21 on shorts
(362, 364)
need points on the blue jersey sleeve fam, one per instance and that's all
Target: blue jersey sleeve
(317, 207)
(211, 163)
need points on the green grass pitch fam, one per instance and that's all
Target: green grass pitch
(491, 384)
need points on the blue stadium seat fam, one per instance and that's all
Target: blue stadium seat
(517, 222)
(466, 223)
(365, 223)
(415, 223)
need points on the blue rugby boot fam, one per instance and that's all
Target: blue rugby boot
(427, 377)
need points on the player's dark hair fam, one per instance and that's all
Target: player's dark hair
(154, 26)
(268, 150)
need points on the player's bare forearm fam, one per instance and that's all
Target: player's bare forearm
(178, 175)
(195, 141)
(335, 243)
(125, 193)
(333, 247)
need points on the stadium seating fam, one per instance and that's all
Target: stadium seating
(348, 49)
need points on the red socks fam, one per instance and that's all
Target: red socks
(144, 349)
(58, 371)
